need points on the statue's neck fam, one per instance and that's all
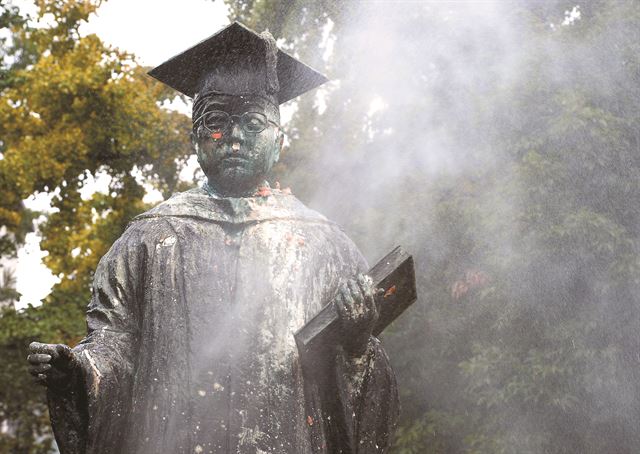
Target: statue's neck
(251, 191)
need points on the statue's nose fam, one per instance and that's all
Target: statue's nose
(237, 135)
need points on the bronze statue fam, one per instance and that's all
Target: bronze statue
(190, 345)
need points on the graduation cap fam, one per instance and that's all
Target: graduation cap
(238, 61)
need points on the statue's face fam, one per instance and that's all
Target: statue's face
(237, 141)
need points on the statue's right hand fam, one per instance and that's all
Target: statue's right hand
(51, 364)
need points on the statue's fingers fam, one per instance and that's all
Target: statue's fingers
(64, 351)
(366, 285)
(34, 346)
(63, 354)
(39, 347)
(344, 291)
(356, 293)
(378, 297)
(347, 298)
(359, 304)
(40, 369)
(38, 358)
(35, 371)
(370, 309)
(372, 306)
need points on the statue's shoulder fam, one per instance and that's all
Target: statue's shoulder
(337, 242)
(188, 203)
(324, 227)
(286, 205)
(199, 205)
(189, 206)
(164, 216)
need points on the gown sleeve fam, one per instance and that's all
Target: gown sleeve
(367, 404)
(88, 415)
(368, 395)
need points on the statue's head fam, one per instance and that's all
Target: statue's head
(238, 79)
(237, 140)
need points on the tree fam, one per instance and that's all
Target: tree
(8, 293)
(494, 143)
(505, 161)
(71, 109)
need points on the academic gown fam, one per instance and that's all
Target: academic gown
(190, 345)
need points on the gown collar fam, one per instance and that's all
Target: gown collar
(204, 203)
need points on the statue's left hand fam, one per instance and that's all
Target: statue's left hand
(358, 312)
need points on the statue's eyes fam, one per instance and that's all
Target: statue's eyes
(216, 120)
(254, 121)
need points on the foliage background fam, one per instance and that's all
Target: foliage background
(497, 145)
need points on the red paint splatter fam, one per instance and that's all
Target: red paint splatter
(216, 135)
(263, 191)
(300, 241)
(310, 420)
(390, 291)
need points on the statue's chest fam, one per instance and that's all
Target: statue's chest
(259, 278)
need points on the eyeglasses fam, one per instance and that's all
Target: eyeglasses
(219, 120)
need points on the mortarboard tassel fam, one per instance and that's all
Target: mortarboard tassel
(271, 62)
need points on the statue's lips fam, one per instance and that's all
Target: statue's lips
(235, 161)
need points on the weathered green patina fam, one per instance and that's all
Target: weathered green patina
(191, 325)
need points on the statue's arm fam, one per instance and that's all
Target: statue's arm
(365, 381)
(369, 397)
(90, 406)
